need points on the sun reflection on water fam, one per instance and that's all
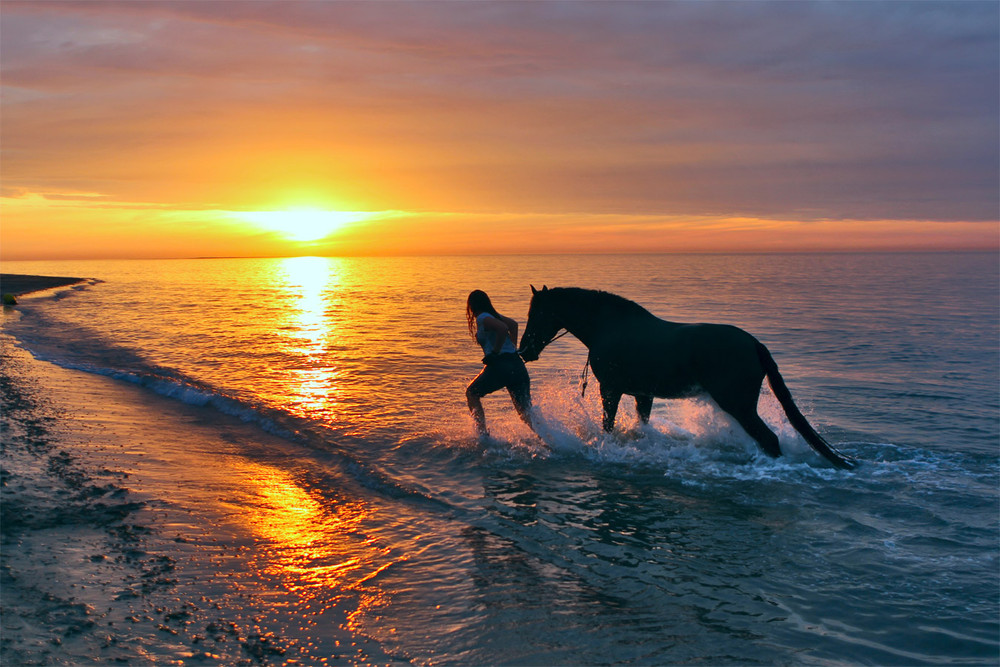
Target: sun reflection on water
(311, 283)
(308, 536)
(315, 545)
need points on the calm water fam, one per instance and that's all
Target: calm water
(673, 543)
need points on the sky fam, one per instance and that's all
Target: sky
(188, 129)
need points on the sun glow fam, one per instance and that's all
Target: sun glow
(303, 224)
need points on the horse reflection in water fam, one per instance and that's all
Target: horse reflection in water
(636, 353)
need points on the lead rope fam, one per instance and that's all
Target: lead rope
(583, 375)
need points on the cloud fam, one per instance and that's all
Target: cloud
(763, 110)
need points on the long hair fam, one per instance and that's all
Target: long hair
(479, 302)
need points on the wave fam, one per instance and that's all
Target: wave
(316, 438)
(689, 440)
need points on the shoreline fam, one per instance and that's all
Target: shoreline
(19, 284)
(128, 534)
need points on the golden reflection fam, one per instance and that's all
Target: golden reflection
(315, 546)
(312, 544)
(308, 280)
(311, 281)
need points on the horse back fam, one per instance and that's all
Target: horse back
(668, 359)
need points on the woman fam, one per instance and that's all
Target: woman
(504, 368)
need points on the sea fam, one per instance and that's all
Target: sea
(675, 542)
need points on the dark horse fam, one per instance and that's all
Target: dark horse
(634, 352)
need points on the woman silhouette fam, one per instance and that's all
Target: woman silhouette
(504, 368)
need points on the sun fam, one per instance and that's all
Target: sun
(303, 224)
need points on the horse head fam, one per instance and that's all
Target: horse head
(542, 325)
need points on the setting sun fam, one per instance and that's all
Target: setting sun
(303, 224)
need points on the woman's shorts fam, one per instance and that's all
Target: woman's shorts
(507, 371)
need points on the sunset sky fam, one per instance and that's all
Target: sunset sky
(185, 129)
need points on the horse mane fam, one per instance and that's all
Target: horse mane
(613, 304)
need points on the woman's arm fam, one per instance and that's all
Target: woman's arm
(511, 328)
(498, 327)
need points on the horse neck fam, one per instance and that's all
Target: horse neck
(585, 317)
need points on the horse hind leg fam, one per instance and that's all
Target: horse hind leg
(745, 414)
(759, 431)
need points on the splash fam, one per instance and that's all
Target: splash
(683, 436)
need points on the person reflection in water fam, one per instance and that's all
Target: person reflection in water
(504, 368)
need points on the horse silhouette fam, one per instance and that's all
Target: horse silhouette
(636, 353)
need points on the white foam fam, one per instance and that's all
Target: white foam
(178, 390)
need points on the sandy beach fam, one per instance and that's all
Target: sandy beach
(131, 532)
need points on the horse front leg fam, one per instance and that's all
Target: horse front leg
(644, 406)
(610, 399)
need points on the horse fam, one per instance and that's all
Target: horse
(634, 352)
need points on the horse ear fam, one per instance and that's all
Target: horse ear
(545, 288)
(533, 290)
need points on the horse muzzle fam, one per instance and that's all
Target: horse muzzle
(528, 355)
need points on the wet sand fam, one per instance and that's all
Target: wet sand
(130, 534)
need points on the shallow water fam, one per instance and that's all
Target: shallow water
(672, 543)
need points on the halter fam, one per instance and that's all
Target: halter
(556, 337)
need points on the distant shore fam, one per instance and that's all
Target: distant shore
(18, 284)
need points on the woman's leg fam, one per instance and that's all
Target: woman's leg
(486, 382)
(476, 408)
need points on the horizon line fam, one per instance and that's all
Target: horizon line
(855, 251)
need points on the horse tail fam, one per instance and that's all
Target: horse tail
(796, 418)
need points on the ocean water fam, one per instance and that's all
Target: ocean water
(676, 542)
